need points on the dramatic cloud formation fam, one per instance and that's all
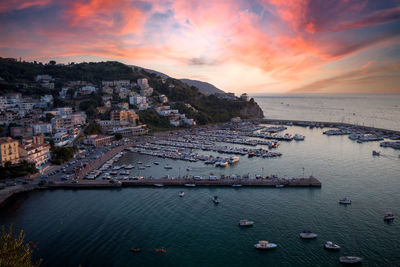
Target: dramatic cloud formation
(259, 46)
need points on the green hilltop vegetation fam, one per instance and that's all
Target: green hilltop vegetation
(17, 76)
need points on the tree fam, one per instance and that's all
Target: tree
(13, 251)
(49, 116)
(52, 62)
(118, 136)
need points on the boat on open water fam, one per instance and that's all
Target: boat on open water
(308, 235)
(181, 193)
(350, 259)
(265, 245)
(245, 223)
(331, 246)
(388, 217)
(344, 201)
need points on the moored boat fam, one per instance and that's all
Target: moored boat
(388, 216)
(156, 163)
(308, 235)
(330, 245)
(215, 200)
(190, 185)
(345, 201)
(350, 259)
(264, 245)
(158, 185)
(237, 185)
(167, 167)
(279, 185)
(245, 223)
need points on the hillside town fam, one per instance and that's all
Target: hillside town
(34, 128)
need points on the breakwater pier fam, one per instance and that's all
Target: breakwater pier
(295, 182)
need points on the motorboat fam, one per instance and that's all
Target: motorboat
(245, 223)
(279, 185)
(190, 185)
(135, 249)
(308, 235)
(188, 169)
(158, 185)
(264, 245)
(130, 166)
(330, 245)
(160, 250)
(215, 200)
(156, 163)
(142, 168)
(299, 137)
(168, 167)
(181, 193)
(345, 201)
(147, 166)
(139, 162)
(388, 216)
(350, 259)
(237, 185)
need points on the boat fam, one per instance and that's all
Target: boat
(308, 235)
(215, 200)
(168, 167)
(245, 223)
(299, 137)
(160, 250)
(330, 245)
(188, 169)
(237, 185)
(130, 166)
(142, 168)
(156, 163)
(264, 245)
(189, 185)
(376, 153)
(388, 216)
(279, 185)
(158, 185)
(181, 193)
(350, 259)
(139, 162)
(345, 201)
(135, 249)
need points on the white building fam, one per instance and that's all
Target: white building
(136, 100)
(143, 83)
(41, 128)
(245, 97)
(43, 77)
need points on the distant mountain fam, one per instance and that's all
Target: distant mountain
(205, 88)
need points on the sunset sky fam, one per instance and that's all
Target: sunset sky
(260, 46)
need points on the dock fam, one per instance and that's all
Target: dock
(300, 182)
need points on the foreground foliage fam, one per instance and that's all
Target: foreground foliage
(13, 250)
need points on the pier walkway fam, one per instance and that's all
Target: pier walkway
(300, 182)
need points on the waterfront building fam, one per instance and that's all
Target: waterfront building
(38, 154)
(245, 97)
(99, 140)
(9, 150)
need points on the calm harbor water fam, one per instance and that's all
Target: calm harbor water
(382, 111)
(98, 227)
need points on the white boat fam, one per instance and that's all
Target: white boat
(237, 185)
(215, 200)
(350, 259)
(142, 168)
(331, 245)
(308, 235)
(181, 193)
(156, 163)
(264, 245)
(246, 223)
(190, 185)
(299, 137)
(158, 185)
(130, 166)
(388, 216)
(139, 162)
(188, 169)
(168, 167)
(345, 201)
(148, 166)
(279, 185)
